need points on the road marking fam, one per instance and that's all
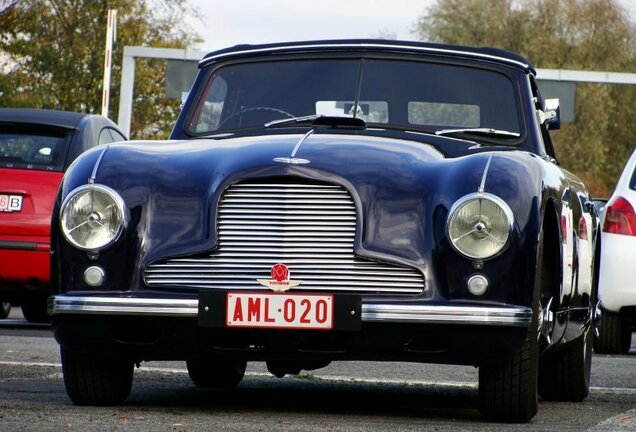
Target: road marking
(38, 364)
(340, 378)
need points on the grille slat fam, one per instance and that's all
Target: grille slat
(238, 264)
(275, 226)
(287, 245)
(226, 239)
(341, 276)
(290, 218)
(285, 257)
(309, 227)
(306, 283)
(263, 273)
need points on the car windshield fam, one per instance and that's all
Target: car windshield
(29, 147)
(394, 94)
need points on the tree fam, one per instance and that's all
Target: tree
(52, 56)
(560, 34)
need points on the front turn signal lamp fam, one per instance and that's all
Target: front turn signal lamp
(92, 217)
(479, 226)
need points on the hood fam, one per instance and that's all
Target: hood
(172, 188)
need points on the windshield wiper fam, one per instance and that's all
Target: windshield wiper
(292, 120)
(479, 131)
(319, 120)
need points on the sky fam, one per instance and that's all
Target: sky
(223, 23)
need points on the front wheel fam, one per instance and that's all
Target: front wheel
(95, 378)
(508, 391)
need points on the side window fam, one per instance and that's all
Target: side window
(116, 135)
(109, 135)
(105, 137)
(209, 114)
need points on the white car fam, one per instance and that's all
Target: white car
(617, 286)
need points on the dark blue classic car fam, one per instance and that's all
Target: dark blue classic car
(337, 200)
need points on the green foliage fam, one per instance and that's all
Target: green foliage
(52, 56)
(560, 34)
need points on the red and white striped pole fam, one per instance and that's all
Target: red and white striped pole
(108, 55)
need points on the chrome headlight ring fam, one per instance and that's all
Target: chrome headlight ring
(92, 217)
(479, 225)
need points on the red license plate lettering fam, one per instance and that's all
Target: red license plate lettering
(293, 311)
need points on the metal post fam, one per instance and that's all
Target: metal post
(108, 55)
(128, 75)
(126, 92)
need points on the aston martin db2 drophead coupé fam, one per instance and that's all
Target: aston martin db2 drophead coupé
(334, 200)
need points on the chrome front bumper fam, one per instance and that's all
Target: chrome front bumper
(511, 316)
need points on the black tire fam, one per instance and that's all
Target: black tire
(508, 391)
(216, 373)
(565, 374)
(5, 310)
(96, 379)
(34, 309)
(614, 333)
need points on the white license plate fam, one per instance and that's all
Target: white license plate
(278, 311)
(10, 203)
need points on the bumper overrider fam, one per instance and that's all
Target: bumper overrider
(157, 328)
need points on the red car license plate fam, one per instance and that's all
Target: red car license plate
(289, 311)
(10, 203)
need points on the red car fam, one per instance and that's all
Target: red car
(36, 147)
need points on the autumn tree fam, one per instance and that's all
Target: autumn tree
(52, 56)
(560, 34)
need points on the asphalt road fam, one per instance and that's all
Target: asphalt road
(345, 396)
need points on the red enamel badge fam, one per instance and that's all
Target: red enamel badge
(280, 279)
(280, 272)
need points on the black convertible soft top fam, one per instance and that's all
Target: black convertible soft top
(487, 53)
(65, 119)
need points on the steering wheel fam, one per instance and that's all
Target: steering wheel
(253, 109)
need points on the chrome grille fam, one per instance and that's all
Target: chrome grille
(309, 227)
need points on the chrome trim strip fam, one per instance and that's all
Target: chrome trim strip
(91, 180)
(516, 316)
(482, 185)
(300, 142)
(122, 306)
(292, 160)
(205, 61)
(513, 316)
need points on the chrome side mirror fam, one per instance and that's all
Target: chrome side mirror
(552, 114)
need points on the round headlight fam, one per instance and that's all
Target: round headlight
(92, 217)
(479, 225)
